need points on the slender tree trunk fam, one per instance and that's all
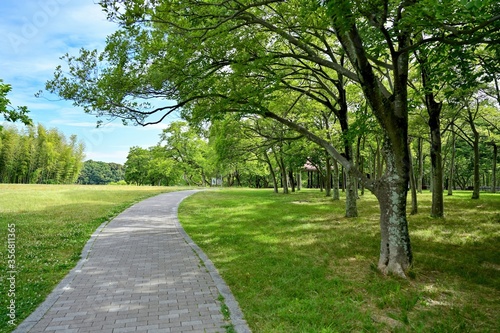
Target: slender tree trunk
(358, 164)
(494, 169)
(350, 180)
(437, 209)
(420, 165)
(373, 164)
(321, 181)
(299, 180)
(271, 170)
(351, 193)
(237, 177)
(475, 147)
(328, 181)
(336, 195)
(343, 179)
(414, 203)
(291, 179)
(351, 209)
(186, 179)
(203, 178)
(362, 171)
(283, 175)
(477, 179)
(434, 110)
(451, 180)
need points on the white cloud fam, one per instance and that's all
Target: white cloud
(35, 34)
(28, 59)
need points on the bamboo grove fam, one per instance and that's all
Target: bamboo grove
(36, 155)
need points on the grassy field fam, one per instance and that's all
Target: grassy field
(52, 224)
(295, 264)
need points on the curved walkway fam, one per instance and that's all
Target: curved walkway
(139, 273)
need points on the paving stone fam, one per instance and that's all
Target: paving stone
(140, 274)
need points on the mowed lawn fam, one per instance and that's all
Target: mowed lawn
(52, 224)
(295, 264)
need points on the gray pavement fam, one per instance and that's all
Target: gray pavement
(139, 273)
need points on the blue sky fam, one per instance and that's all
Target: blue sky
(34, 34)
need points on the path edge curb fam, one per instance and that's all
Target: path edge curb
(235, 313)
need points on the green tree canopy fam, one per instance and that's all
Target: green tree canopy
(243, 56)
(10, 112)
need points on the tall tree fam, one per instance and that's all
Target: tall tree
(212, 58)
(188, 149)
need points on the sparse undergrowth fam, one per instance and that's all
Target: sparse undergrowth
(296, 264)
(52, 224)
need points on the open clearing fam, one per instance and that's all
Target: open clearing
(295, 264)
(52, 224)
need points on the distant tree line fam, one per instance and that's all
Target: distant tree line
(36, 155)
(100, 173)
(257, 153)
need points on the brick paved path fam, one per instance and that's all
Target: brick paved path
(140, 275)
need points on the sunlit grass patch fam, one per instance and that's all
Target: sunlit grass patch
(52, 224)
(296, 264)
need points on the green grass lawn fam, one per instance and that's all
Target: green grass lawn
(295, 264)
(52, 224)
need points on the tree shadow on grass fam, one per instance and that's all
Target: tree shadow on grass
(282, 254)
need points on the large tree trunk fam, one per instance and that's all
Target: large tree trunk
(391, 192)
(395, 249)
(391, 112)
